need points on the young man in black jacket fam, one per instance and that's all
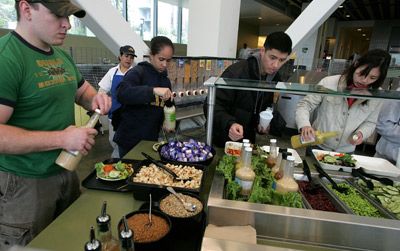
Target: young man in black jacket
(236, 111)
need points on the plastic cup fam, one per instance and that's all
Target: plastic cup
(265, 118)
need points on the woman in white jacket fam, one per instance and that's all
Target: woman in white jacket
(354, 119)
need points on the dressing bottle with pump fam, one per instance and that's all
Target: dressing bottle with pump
(70, 159)
(245, 175)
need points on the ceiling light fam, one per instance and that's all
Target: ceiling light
(364, 34)
(359, 29)
(367, 38)
(259, 18)
(340, 6)
(347, 15)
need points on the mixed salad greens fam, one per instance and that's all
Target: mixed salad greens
(340, 159)
(115, 171)
(262, 190)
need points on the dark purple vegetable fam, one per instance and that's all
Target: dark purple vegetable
(192, 151)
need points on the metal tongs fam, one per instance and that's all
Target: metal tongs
(334, 185)
(313, 185)
(165, 168)
(359, 174)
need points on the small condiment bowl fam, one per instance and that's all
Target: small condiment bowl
(157, 244)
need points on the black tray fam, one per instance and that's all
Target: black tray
(141, 191)
(185, 237)
(92, 182)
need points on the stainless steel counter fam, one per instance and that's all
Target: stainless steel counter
(302, 228)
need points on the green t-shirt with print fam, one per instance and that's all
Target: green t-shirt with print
(40, 87)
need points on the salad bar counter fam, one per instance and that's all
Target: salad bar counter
(336, 225)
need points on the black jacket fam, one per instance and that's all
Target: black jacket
(238, 106)
(142, 112)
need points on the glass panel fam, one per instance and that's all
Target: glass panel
(298, 88)
(8, 16)
(140, 17)
(185, 25)
(78, 28)
(168, 20)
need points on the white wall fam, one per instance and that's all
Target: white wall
(213, 28)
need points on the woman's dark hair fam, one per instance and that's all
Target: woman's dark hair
(158, 43)
(279, 41)
(373, 58)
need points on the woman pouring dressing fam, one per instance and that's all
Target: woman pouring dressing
(353, 118)
(143, 93)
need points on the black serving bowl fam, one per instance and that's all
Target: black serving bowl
(160, 244)
(183, 225)
(202, 162)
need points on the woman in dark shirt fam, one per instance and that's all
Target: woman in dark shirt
(142, 93)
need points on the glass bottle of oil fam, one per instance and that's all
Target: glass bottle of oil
(104, 234)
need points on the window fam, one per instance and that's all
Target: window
(140, 17)
(167, 24)
(8, 16)
(185, 25)
(78, 28)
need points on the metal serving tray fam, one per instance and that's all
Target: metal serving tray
(339, 205)
(384, 213)
(376, 203)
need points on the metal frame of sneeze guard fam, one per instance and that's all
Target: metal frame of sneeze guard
(285, 87)
(210, 84)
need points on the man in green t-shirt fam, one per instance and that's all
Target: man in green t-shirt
(39, 85)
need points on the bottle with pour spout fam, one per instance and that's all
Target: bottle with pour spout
(70, 159)
(298, 141)
(93, 244)
(126, 237)
(108, 242)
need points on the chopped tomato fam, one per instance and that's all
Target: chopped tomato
(108, 168)
(339, 154)
(235, 152)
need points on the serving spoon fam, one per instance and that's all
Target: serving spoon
(187, 205)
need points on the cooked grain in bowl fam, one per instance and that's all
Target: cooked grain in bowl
(144, 232)
(174, 207)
